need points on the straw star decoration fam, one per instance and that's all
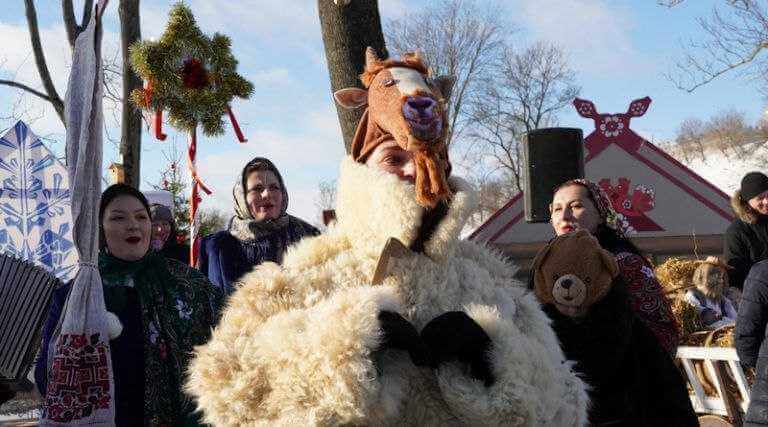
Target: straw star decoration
(189, 74)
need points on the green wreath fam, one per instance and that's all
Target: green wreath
(188, 74)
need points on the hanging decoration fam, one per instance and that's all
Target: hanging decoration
(194, 78)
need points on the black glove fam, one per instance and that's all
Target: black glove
(455, 336)
(401, 335)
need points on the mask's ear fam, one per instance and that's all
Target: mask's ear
(444, 84)
(351, 97)
(539, 280)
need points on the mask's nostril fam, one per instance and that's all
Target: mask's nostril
(420, 102)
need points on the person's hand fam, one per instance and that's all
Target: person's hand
(455, 336)
(709, 316)
(398, 333)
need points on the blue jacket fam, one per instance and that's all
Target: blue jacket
(225, 259)
(750, 340)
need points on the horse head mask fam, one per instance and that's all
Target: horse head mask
(404, 104)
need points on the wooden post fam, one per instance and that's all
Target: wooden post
(130, 136)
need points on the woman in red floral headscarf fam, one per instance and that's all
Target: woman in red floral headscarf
(581, 204)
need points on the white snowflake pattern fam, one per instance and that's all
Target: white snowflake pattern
(611, 126)
(35, 203)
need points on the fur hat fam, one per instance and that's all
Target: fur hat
(753, 184)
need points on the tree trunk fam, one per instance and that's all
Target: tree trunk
(130, 137)
(347, 31)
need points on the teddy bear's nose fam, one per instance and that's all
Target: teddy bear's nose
(566, 283)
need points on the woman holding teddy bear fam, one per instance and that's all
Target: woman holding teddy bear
(581, 204)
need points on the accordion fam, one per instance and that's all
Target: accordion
(25, 295)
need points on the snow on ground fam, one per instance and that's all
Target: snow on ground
(725, 172)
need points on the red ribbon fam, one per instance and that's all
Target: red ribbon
(159, 125)
(158, 115)
(191, 154)
(194, 247)
(236, 126)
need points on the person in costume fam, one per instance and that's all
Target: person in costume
(709, 296)
(164, 237)
(442, 334)
(746, 239)
(260, 231)
(581, 204)
(160, 308)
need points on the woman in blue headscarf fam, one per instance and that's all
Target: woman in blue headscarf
(260, 231)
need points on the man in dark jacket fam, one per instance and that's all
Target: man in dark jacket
(749, 338)
(746, 240)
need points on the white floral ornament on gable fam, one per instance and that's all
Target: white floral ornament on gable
(35, 216)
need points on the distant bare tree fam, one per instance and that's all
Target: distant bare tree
(537, 83)
(130, 141)
(493, 191)
(726, 132)
(326, 199)
(211, 221)
(459, 38)
(499, 137)
(729, 131)
(690, 138)
(735, 37)
(526, 91)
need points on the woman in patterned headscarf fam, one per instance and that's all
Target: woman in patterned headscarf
(260, 231)
(581, 204)
(159, 309)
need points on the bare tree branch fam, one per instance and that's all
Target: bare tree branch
(457, 38)
(25, 88)
(42, 67)
(735, 37)
(523, 91)
(70, 24)
(669, 3)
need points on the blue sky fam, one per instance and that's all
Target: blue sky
(618, 48)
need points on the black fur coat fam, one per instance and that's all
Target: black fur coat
(633, 380)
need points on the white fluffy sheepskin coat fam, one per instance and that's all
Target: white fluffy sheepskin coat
(297, 344)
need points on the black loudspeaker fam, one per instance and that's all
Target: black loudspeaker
(552, 156)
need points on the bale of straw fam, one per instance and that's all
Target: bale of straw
(675, 275)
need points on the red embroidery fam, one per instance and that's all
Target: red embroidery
(79, 381)
(647, 299)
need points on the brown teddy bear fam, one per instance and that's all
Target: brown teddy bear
(633, 380)
(573, 287)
